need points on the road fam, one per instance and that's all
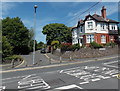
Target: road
(86, 75)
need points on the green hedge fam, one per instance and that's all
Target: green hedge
(112, 44)
(95, 45)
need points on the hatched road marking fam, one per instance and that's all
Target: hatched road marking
(32, 82)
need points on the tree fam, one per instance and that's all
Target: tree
(17, 34)
(6, 48)
(58, 32)
(40, 45)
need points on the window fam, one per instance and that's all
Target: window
(81, 29)
(89, 38)
(90, 24)
(113, 27)
(103, 26)
(103, 39)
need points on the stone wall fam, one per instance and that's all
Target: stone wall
(88, 53)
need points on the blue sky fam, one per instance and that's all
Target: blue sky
(67, 13)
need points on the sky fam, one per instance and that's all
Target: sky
(67, 13)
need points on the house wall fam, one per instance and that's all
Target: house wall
(97, 29)
(74, 36)
(90, 30)
(98, 38)
(100, 29)
(113, 24)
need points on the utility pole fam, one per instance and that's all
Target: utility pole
(35, 7)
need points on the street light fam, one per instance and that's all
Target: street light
(35, 7)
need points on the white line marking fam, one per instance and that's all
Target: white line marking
(115, 75)
(111, 66)
(2, 87)
(17, 77)
(69, 87)
(97, 79)
(108, 64)
(43, 87)
(111, 62)
(84, 82)
(106, 77)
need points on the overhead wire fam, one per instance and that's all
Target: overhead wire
(78, 15)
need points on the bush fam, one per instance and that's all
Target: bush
(75, 47)
(55, 44)
(95, 45)
(66, 46)
(112, 44)
(15, 57)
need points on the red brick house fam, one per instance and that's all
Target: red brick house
(96, 28)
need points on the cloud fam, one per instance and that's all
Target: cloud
(6, 7)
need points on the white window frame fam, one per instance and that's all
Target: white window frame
(103, 26)
(103, 39)
(90, 25)
(89, 38)
(113, 27)
(81, 29)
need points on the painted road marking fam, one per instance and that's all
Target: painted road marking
(17, 77)
(69, 87)
(5, 65)
(109, 64)
(32, 82)
(56, 65)
(2, 88)
(88, 74)
(97, 79)
(20, 64)
(84, 82)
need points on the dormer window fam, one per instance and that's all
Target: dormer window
(90, 24)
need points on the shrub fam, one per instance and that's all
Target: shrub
(15, 57)
(95, 45)
(112, 44)
(75, 47)
(66, 46)
(55, 44)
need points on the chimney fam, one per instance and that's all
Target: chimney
(103, 12)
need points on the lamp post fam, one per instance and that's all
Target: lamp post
(35, 7)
